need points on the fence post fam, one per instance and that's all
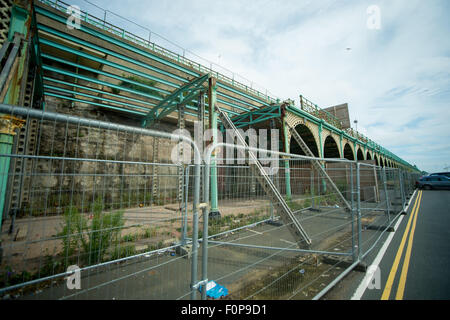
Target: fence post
(195, 231)
(271, 203)
(312, 188)
(410, 184)
(287, 173)
(358, 207)
(386, 196)
(352, 201)
(402, 190)
(205, 211)
(186, 194)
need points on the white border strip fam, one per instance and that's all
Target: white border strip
(368, 277)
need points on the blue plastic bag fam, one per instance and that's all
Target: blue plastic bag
(214, 290)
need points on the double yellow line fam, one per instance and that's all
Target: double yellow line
(401, 286)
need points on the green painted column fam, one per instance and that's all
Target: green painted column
(6, 142)
(8, 125)
(321, 147)
(20, 20)
(212, 97)
(322, 155)
(287, 171)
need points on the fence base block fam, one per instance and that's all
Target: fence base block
(379, 228)
(215, 215)
(361, 266)
(184, 251)
(274, 223)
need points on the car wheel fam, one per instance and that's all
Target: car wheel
(427, 187)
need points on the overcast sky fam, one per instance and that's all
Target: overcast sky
(395, 78)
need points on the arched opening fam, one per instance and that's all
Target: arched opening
(368, 156)
(359, 155)
(383, 162)
(348, 152)
(376, 161)
(308, 137)
(330, 149)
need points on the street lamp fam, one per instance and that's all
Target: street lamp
(356, 124)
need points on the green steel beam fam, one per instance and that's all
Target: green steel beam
(70, 38)
(144, 109)
(151, 105)
(130, 70)
(113, 40)
(107, 74)
(137, 113)
(170, 103)
(18, 22)
(257, 116)
(106, 62)
(138, 63)
(226, 87)
(224, 95)
(48, 79)
(93, 80)
(145, 53)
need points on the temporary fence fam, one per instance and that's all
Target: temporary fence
(98, 210)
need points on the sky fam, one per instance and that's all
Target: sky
(389, 60)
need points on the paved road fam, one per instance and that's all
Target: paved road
(415, 264)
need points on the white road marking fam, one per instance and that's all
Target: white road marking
(288, 241)
(254, 231)
(368, 277)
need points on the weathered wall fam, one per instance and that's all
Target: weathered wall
(60, 182)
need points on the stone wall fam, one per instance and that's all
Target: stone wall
(120, 169)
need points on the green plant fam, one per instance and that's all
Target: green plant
(123, 251)
(128, 238)
(74, 224)
(104, 228)
(94, 237)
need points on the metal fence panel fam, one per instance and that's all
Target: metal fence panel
(94, 198)
(108, 199)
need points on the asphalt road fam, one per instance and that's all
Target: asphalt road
(414, 264)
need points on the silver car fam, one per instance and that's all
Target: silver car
(433, 182)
